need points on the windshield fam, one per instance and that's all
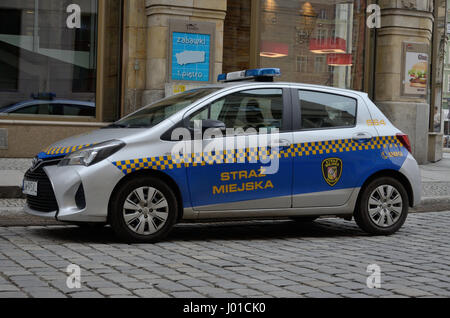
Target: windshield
(154, 114)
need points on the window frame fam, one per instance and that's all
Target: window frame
(101, 91)
(297, 110)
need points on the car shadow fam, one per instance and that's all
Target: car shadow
(242, 230)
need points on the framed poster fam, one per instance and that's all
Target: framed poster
(191, 51)
(415, 69)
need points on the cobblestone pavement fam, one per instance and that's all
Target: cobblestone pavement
(15, 164)
(328, 258)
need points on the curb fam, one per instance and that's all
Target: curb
(11, 192)
(433, 204)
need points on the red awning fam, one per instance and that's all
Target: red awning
(328, 45)
(340, 59)
(274, 49)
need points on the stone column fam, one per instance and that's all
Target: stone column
(159, 13)
(403, 21)
(134, 54)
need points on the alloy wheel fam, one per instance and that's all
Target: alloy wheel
(385, 206)
(145, 210)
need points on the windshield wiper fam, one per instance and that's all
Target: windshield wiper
(117, 126)
(139, 126)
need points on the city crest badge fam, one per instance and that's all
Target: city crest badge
(332, 170)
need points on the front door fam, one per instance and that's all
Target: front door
(243, 175)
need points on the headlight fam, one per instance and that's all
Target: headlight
(93, 154)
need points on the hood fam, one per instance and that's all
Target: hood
(72, 144)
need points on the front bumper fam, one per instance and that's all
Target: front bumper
(97, 183)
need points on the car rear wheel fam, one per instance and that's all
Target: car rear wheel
(143, 210)
(383, 207)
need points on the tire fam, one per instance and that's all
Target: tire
(383, 207)
(304, 219)
(137, 218)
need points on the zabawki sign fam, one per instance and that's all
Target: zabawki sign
(191, 51)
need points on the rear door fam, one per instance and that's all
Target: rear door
(331, 146)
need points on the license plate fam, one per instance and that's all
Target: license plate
(30, 187)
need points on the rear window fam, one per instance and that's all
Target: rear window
(325, 110)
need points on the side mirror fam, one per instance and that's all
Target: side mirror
(213, 124)
(209, 124)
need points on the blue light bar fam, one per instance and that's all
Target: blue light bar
(258, 74)
(222, 77)
(263, 72)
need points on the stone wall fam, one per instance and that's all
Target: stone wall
(134, 54)
(403, 21)
(158, 15)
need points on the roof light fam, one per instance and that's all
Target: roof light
(259, 75)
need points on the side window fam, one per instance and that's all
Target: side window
(39, 109)
(258, 108)
(323, 110)
(200, 115)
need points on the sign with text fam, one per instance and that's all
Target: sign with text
(191, 57)
(191, 51)
(415, 69)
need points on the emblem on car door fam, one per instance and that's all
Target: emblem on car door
(332, 170)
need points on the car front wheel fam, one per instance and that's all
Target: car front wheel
(143, 210)
(383, 207)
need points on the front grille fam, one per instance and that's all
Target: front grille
(45, 201)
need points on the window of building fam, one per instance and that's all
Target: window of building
(448, 83)
(320, 64)
(302, 63)
(323, 110)
(236, 37)
(49, 51)
(329, 33)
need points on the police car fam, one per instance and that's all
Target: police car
(197, 155)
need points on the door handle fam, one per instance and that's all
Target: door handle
(282, 143)
(362, 137)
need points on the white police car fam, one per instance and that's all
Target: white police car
(200, 155)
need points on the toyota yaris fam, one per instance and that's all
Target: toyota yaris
(257, 149)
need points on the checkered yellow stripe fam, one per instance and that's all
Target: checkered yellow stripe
(61, 151)
(253, 155)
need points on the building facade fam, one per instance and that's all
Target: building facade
(71, 66)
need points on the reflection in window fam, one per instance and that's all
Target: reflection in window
(40, 55)
(302, 62)
(320, 65)
(236, 38)
(260, 108)
(331, 33)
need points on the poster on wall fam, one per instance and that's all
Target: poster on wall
(191, 49)
(415, 69)
(191, 57)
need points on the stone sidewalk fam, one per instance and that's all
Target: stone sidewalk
(276, 259)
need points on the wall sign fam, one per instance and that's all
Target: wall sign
(415, 69)
(191, 51)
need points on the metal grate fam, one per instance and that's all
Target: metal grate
(45, 201)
